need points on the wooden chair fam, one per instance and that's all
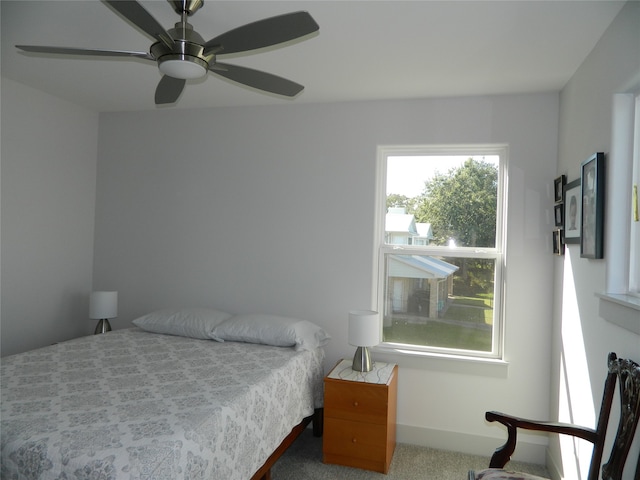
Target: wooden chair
(627, 373)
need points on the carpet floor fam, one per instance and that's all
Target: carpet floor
(303, 461)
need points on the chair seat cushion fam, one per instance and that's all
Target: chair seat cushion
(500, 474)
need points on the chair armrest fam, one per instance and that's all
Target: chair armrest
(503, 454)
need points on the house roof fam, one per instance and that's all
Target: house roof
(400, 223)
(424, 230)
(419, 266)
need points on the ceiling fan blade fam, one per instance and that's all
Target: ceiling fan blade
(169, 89)
(263, 33)
(84, 51)
(138, 15)
(257, 79)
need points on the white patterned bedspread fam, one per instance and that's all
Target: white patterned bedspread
(135, 405)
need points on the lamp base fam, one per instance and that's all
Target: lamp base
(103, 326)
(362, 360)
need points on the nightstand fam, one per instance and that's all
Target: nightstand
(360, 416)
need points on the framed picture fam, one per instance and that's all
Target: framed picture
(572, 212)
(558, 244)
(592, 218)
(558, 211)
(558, 186)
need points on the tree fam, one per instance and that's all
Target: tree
(396, 200)
(461, 205)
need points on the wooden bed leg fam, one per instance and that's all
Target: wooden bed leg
(318, 422)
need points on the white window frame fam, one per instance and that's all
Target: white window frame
(634, 238)
(497, 253)
(620, 303)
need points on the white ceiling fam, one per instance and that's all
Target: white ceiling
(365, 50)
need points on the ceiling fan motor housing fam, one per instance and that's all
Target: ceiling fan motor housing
(187, 58)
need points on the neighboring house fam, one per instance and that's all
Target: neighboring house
(425, 234)
(402, 229)
(417, 284)
(399, 226)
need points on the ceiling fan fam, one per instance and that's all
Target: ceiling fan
(181, 53)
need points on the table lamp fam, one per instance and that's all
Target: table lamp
(103, 306)
(364, 332)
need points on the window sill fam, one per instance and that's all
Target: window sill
(622, 310)
(488, 367)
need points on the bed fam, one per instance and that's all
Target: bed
(138, 404)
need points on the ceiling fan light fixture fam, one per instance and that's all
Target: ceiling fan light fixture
(186, 67)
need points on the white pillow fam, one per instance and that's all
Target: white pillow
(271, 330)
(184, 322)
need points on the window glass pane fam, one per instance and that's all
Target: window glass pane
(439, 301)
(445, 200)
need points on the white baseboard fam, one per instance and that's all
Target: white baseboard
(526, 451)
(553, 468)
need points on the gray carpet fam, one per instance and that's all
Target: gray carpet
(303, 461)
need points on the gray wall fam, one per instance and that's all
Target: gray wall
(49, 152)
(271, 209)
(582, 338)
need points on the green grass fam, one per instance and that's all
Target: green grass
(472, 310)
(439, 335)
(466, 314)
(478, 301)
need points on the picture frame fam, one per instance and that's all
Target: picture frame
(592, 215)
(558, 188)
(572, 211)
(558, 213)
(558, 243)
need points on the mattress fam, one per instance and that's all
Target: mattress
(138, 405)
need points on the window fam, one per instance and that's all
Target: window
(440, 248)
(623, 180)
(620, 302)
(634, 241)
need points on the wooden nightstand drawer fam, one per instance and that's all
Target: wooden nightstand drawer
(355, 439)
(356, 401)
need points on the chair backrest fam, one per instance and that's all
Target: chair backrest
(627, 374)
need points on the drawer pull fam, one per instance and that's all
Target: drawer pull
(355, 404)
(353, 440)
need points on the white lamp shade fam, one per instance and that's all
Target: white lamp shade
(364, 328)
(103, 305)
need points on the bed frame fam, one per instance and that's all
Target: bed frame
(264, 472)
